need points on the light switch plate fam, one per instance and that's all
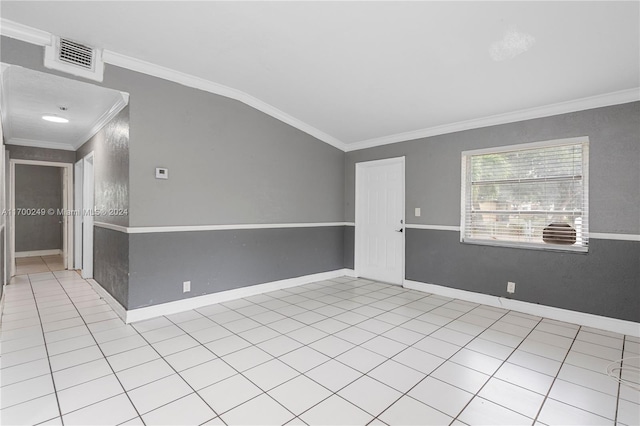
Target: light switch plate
(417, 212)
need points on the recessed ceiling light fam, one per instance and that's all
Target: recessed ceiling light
(55, 119)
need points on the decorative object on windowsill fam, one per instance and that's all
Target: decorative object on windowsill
(559, 233)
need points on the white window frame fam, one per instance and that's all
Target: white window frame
(520, 147)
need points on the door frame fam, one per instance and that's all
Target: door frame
(358, 242)
(67, 202)
(87, 210)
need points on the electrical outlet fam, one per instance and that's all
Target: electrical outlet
(186, 286)
(511, 287)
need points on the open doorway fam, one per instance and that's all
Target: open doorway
(41, 199)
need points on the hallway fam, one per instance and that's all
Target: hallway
(38, 264)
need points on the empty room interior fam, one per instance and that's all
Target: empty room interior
(320, 213)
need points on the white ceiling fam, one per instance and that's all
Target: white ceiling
(27, 95)
(364, 71)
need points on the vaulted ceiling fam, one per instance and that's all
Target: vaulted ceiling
(361, 72)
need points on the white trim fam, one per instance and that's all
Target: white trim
(609, 236)
(350, 273)
(189, 228)
(592, 235)
(606, 99)
(435, 227)
(115, 305)
(42, 38)
(529, 145)
(25, 33)
(225, 296)
(101, 121)
(40, 144)
(349, 224)
(596, 321)
(34, 253)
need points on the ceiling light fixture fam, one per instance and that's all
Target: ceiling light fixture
(54, 119)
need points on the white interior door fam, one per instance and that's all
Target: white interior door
(88, 206)
(380, 220)
(77, 218)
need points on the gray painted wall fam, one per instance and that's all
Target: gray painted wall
(38, 187)
(222, 260)
(40, 154)
(603, 282)
(433, 165)
(228, 163)
(111, 262)
(111, 169)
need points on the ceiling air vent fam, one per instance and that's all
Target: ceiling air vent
(74, 58)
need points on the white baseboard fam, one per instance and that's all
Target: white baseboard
(34, 253)
(225, 296)
(350, 273)
(111, 301)
(596, 321)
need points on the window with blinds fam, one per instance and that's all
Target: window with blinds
(531, 195)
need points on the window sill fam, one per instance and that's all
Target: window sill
(527, 246)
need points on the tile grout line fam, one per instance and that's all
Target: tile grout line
(105, 358)
(546, 397)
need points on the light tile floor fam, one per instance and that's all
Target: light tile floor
(37, 264)
(344, 351)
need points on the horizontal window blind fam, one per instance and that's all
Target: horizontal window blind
(530, 196)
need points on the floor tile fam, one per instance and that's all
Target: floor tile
(477, 361)
(557, 413)
(279, 345)
(158, 393)
(73, 358)
(440, 395)
(175, 344)
(26, 390)
(523, 377)
(483, 412)
(247, 358)
(361, 359)
(132, 358)
(188, 410)
(584, 398)
(418, 360)
(261, 410)
(114, 410)
(270, 374)
(370, 395)
(408, 411)
(207, 373)
(460, 376)
(190, 358)
(31, 412)
(331, 346)
(88, 393)
(513, 397)
(333, 375)
(229, 393)
(336, 411)
(25, 371)
(227, 345)
(304, 358)
(82, 373)
(137, 376)
(396, 375)
(299, 394)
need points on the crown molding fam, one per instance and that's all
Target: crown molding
(607, 99)
(23, 32)
(106, 117)
(42, 38)
(40, 144)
